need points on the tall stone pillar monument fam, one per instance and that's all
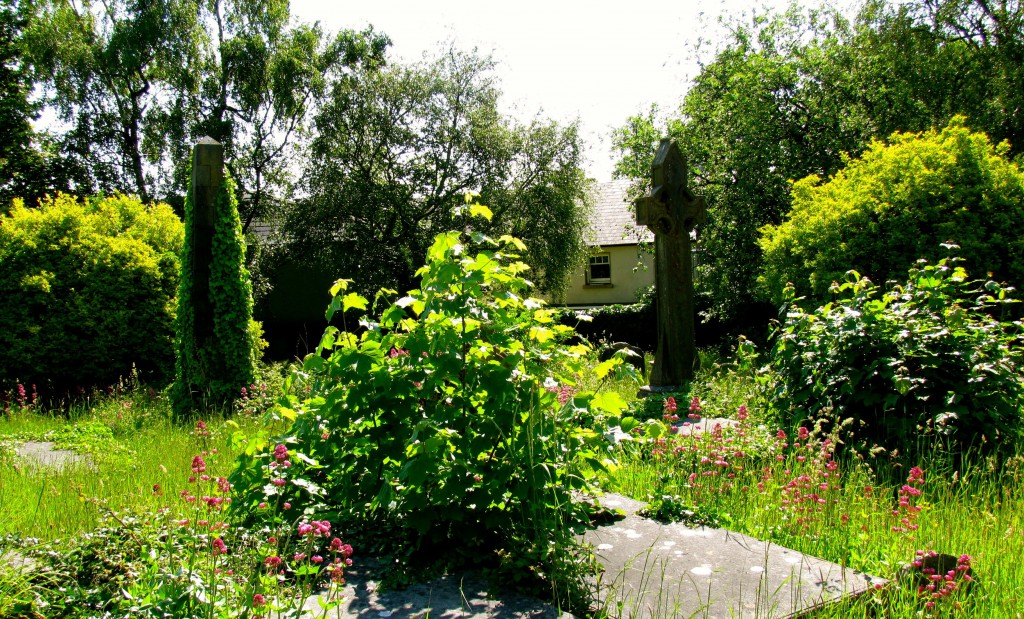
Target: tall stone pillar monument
(672, 212)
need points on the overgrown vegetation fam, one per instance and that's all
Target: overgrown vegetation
(925, 363)
(214, 362)
(87, 293)
(440, 429)
(896, 204)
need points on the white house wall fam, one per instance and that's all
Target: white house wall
(624, 281)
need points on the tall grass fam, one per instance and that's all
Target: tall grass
(134, 457)
(802, 492)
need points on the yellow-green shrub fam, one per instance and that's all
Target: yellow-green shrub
(87, 289)
(896, 204)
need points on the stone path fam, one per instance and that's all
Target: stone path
(651, 571)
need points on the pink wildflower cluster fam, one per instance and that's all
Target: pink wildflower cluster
(22, 399)
(694, 409)
(201, 430)
(906, 510)
(308, 532)
(940, 585)
(253, 400)
(670, 415)
(563, 392)
(213, 492)
(813, 479)
(316, 528)
(708, 455)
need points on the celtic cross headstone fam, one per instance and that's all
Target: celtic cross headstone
(672, 212)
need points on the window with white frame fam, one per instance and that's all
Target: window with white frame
(599, 271)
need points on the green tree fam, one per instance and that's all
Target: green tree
(138, 81)
(260, 80)
(772, 105)
(112, 72)
(28, 166)
(896, 204)
(788, 94)
(397, 150)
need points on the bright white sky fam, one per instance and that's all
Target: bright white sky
(601, 61)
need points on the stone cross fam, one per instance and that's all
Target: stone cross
(207, 175)
(672, 211)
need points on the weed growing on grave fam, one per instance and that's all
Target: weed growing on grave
(448, 427)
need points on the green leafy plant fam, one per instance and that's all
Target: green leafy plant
(926, 358)
(211, 371)
(87, 293)
(444, 424)
(896, 203)
(187, 560)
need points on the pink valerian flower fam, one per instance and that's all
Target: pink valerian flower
(278, 481)
(742, 413)
(272, 561)
(695, 409)
(315, 528)
(906, 510)
(670, 405)
(201, 429)
(218, 546)
(340, 548)
(398, 352)
(316, 559)
(803, 433)
(198, 464)
(258, 600)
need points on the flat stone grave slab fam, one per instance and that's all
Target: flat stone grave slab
(703, 424)
(43, 454)
(462, 596)
(665, 571)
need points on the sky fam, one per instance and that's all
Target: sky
(598, 61)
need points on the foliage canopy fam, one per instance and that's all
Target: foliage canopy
(788, 95)
(397, 149)
(898, 203)
(87, 291)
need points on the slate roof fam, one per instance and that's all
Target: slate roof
(613, 221)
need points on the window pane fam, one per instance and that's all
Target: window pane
(600, 272)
